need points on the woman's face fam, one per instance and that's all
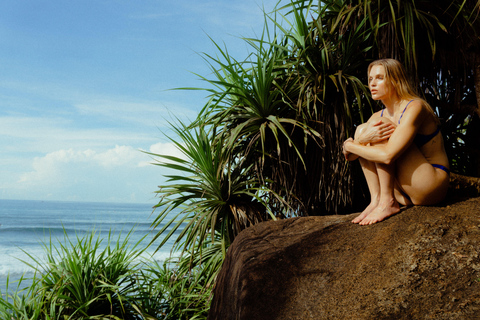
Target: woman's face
(379, 87)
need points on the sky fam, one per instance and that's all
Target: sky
(85, 87)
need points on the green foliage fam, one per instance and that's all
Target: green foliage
(83, 279)
(167, 292)
(212, 192)
(323, 69)
(78, 280)
(285, 108)
(460, 126)
(23, 303)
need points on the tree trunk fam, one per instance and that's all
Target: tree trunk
(476, 71)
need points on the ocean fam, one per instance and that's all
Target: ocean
(25, 226)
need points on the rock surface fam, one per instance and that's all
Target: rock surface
(423, 263)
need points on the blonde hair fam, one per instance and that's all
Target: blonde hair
(395, 73)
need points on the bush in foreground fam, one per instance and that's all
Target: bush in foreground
(84, 279)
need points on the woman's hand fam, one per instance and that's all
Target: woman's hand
(348, 156)
(375, 132)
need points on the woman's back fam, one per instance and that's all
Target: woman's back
(429, 139)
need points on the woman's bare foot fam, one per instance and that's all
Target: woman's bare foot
(366, 212)
(384, 210)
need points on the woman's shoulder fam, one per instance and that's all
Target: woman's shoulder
(415, 103)
(416, 109)
(420, 106)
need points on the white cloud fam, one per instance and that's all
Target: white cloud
(168, 148)
(44, 135)
(121, 173)
(60, 166)
(162, 148)
(119, 156)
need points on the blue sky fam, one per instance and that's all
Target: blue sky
(84, 86)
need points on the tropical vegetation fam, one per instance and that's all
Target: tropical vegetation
(267, 144)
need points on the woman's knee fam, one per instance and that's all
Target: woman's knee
(373, 122)
(360, 129)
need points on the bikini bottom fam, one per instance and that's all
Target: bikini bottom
(433, 165)
(441, 167)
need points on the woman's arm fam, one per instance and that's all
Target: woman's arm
(399, 141)
(376, 129)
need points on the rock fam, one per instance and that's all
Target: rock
(464, 186)
(423, 263)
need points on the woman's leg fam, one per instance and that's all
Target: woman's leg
(410, 180)
(416, 177)
(381, 184)
(387, 204)
(370, 172)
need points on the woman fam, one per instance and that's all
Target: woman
(400, 148)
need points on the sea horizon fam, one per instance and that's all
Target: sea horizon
(82, 201)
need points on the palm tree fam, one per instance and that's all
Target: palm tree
(286, 109)
(212, 192)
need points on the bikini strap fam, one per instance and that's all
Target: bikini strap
(403, 111)
(381, 115)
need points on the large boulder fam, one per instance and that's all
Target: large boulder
(423, 263)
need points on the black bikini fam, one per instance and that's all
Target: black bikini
(421, 139)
